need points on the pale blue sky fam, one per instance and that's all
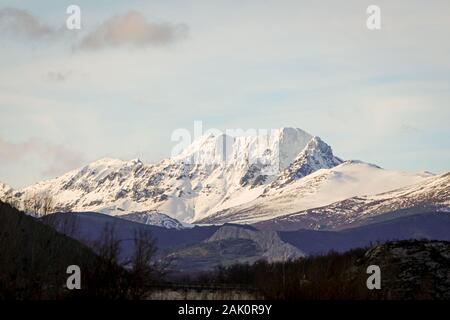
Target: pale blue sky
(379, 96)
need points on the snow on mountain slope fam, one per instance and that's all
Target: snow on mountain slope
(277, 147)
(431, 194)
(155, 219)
(212, 174)
(323, 187)
(5, 192)
(315, 156)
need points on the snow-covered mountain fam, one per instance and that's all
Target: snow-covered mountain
(155, 219)
(218, 179)
(430, 195)
(213, 173)
(323, 187)
(315, 156)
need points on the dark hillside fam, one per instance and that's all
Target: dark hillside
(34, 257)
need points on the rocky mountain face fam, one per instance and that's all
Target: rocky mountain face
(315, 156)
(272, 247)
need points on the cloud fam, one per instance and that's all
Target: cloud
(129, 29)
(132, 29)
(58, 76)
(18, 22)
(58, 158)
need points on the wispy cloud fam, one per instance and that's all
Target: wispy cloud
(128, 29)
(59, 158)
(18, 22)
(132, 29)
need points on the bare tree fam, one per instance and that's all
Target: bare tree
(14, 201)
(108, 247)
(144, 269)
(27, 204)
(107, 279)
(38, 204)
(46, 204)
(117, 277)
(35, 204)
(7, 198)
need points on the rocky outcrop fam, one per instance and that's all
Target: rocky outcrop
(413, 269)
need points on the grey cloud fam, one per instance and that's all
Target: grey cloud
(58, 76)
(409, 128)
(18, 22)
(59, 158)
(55, 76)
(132, 29)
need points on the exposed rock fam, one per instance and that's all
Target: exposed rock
(412, 269)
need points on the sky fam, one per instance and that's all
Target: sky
(136, 71)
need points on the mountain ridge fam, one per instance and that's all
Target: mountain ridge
(431, 194)
(321, 188)
(219, 179)
(183, 190)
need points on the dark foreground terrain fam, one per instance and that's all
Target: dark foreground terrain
(34, 258)
(410, 270)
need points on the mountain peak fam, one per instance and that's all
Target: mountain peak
(107, 161)
(315, 156)
(291, 131)
(279, 147)
(247, 176)
(114, 163)
(317, 146)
